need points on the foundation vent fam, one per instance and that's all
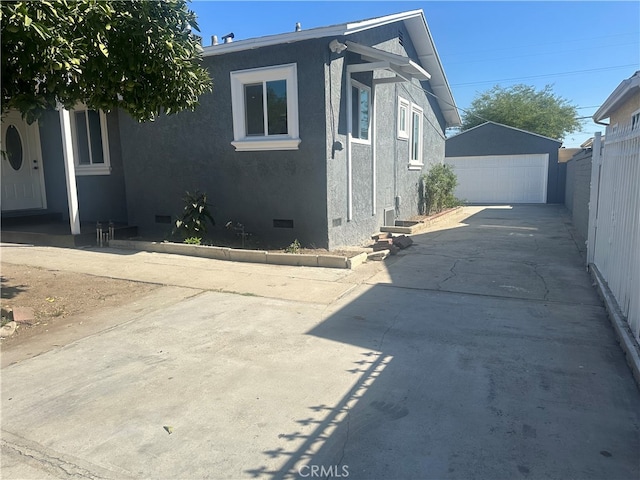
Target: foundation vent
(281, 223)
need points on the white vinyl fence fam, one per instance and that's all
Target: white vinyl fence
(614, 218)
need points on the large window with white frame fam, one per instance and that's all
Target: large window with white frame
(90, 141)
(264, 102)
(415, 138)
(360, 112)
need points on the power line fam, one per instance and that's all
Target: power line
(575, 72)
(537, 54)
(589, 40)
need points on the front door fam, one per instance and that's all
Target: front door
(22, 176)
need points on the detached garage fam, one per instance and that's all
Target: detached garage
(495, 163)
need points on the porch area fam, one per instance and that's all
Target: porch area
(50, 229)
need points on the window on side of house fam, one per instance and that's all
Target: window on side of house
(635, 120)
(90, 141)
(415, 138)
(403, 118)
(360, 112)
(264, 102)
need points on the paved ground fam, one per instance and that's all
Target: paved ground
(483, 352)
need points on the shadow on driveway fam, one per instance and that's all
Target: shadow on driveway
(485, 353)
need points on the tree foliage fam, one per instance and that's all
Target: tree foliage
(524, 107)
(137, 55)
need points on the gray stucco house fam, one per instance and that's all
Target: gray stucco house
(497, 163)
(319, 135)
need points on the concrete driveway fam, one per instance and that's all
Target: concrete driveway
(482, 352)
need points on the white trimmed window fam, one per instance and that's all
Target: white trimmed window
(403, 118)
(415, 139)
(264, 102)
(360, 112)
(90, 141)
(635, 120)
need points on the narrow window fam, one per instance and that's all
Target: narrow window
(635, 120)
(415, 140)
(254, 109)
(403, 118)
(90, 142)
(360, 111)
(277, 107)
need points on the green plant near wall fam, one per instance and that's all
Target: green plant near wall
(436, 189)
(294, 247)
(192, 224)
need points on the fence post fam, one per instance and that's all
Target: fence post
(596, 160)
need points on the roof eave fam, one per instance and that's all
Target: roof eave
(613, 101)
(429, 67)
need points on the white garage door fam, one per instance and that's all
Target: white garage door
(501, 178)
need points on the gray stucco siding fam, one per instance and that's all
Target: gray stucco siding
(192, 150)
(53, 163)
(100, 197)
(394, 179)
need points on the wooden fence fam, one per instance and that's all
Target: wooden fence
(614, 217)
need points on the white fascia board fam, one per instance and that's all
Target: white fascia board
(279, 39)
(343, 29)
(430, 60)
(617, 96)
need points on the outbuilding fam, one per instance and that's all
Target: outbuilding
(496, 163)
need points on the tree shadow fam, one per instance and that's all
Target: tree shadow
(10, 291)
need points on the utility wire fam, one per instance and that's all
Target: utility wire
(589, 40)
(575, 72)
(537, 54)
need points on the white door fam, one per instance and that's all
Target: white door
(22, 176)
(501, 178)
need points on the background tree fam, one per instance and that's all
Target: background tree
(524, 107)
(137, 55)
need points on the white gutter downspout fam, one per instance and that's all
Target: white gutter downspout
(349, 133)
(69, 170)
(373, 147)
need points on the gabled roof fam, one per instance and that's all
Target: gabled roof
(622, 92)
(506, 126)
(415, 24)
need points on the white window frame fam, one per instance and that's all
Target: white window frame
(416, 163)
(92, 168)
(241, 141)
(635, 120)
(354, 139)
(404, 108)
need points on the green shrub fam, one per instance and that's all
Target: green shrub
(436, 189)
(193, 222)
(193, 240)
(294, 247)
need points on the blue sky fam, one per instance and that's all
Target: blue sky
(584, 49)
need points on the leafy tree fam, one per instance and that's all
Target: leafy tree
(524, 107)
(137, 55)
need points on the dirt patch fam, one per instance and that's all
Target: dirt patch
(59, 299)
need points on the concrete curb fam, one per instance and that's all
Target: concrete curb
(240, 255)
(625, 338)
(420, 226)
